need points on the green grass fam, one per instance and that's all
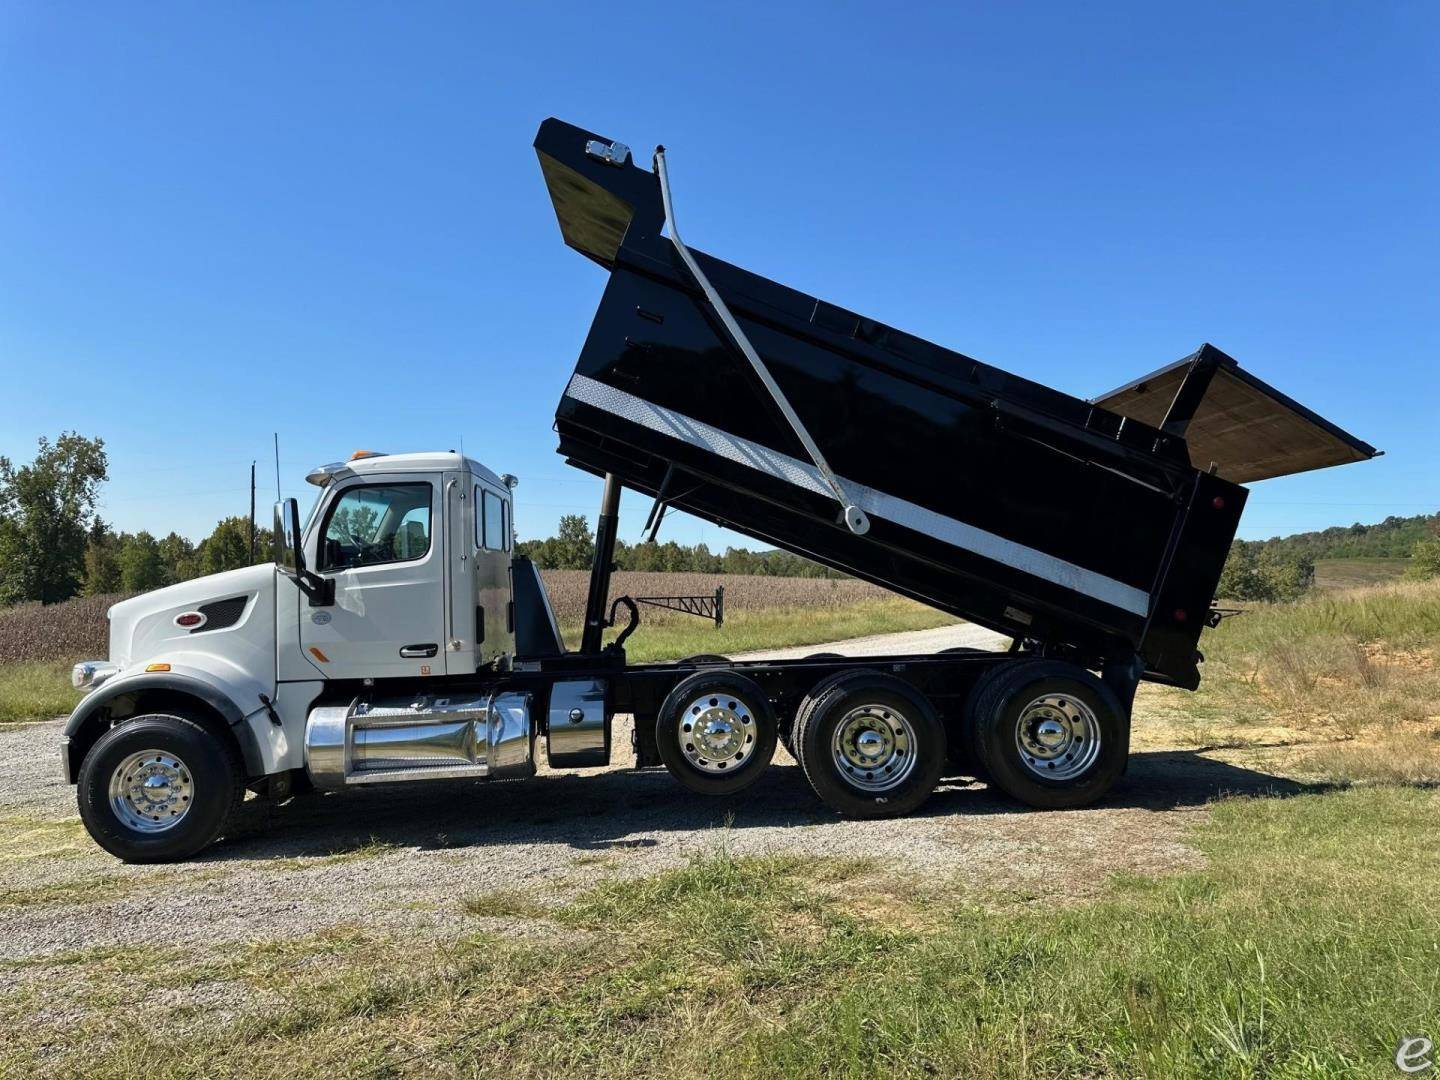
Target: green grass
(30, 838)
(35, 691)
(773, 628)
(1305, 948)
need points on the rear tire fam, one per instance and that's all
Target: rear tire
(870, 744)
(1047, 733)
(716, 732)
(159, 788)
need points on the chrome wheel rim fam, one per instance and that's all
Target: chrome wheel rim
(873, 747)
(152, 791)
(717, 733)
(1058, 737)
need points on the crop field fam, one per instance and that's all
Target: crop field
(743, 592)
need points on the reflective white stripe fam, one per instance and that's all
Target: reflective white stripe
(877, 504)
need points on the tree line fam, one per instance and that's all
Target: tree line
(53, 544)
(1283, 567)
(573, 548)
(1393, 538)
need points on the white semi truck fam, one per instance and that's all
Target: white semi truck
(398, 638)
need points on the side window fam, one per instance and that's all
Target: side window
(494, 523)
(377, 523)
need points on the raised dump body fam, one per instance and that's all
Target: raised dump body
(1093, 528)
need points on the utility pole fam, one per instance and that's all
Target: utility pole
(252, 513)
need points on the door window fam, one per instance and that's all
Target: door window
(376, 523)
(491, 526)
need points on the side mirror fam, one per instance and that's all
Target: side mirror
(290, 555)
(285, 538)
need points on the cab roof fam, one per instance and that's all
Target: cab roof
(425, 461)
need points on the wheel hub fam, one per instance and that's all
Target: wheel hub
(719, 736)
(872, 747)
(716, 733)
(151, 791)
(1050, 734)
(1058, 737)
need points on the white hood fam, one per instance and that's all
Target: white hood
(143, 629)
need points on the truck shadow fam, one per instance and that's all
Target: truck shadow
(638, 808)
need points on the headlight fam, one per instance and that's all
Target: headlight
(88, 674)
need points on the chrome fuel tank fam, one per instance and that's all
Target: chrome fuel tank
(421, 737)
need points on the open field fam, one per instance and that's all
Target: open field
(1256, 898)
(1353, 573)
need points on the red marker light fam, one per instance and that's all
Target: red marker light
(1218, 503)
(189, 619)
(1181, 615)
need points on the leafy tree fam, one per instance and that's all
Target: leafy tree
(1256, 572)
(46, 510)
(178, 555)
(227, 548)
(102, 561)
(142, 567)
(1425, 558)
(575, 543)
(1289, 576)
(1241, 578)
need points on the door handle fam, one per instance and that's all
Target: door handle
(419, 652)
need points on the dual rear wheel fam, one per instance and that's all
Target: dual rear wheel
(1047, 733)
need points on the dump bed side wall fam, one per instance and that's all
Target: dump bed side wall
(985, 512)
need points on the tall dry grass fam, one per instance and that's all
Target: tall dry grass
(74, 630)
(1357, 673)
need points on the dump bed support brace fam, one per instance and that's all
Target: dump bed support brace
(855, 519)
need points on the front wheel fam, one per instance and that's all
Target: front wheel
(159, 788)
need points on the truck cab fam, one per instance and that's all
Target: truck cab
(407, 560)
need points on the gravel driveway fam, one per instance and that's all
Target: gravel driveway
(403, 858)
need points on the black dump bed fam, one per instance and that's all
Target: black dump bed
(1080, 525)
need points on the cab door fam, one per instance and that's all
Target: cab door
(381, 540)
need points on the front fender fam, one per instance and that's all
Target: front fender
(191, 682)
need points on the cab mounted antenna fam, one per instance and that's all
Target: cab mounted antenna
(277, 466)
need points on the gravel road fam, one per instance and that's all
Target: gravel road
(403, 859)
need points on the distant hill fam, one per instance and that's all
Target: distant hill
(1393, 538)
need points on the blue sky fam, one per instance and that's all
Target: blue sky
(218, 221)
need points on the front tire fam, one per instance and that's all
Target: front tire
(159, 788)
(1048, 733)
